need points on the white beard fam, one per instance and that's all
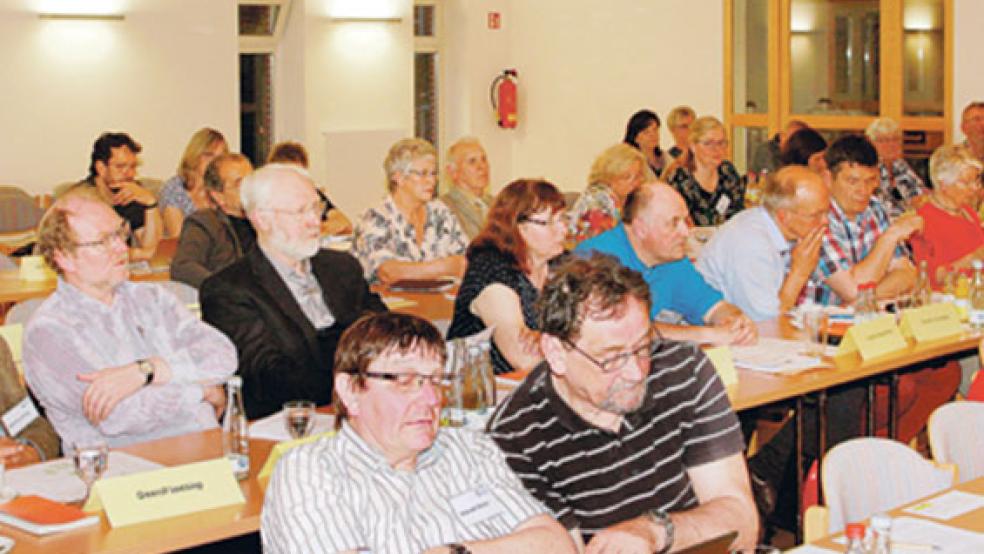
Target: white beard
(296, 250)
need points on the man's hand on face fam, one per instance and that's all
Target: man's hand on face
(131, 191)
(633, 536)
(806, 254)
(107, 388)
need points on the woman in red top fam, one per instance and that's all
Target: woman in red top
(952, 236)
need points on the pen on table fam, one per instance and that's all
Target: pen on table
(915, 547)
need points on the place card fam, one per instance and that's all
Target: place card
(166, 492)
(873, 338)
(279, 450)
(724, 363)
(17, 418)
(931, 322)
(33, 268)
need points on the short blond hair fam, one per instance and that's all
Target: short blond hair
(614, 161)
(678, 113)
(402, 154)
(202, 140)
(703, 125)
(948, 161)
(55, 231)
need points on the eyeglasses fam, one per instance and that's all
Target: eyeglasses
(617, 362)
(316, 208)
(121, 234)
(411, 382)
(555, 219)
(420, 173)
(714, 143)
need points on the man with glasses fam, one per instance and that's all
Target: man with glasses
(652, 240)
(112, 173)
(626, 437)
(761, 258)
(213, 238)
(285, 303)
(901, 189)
(392, 480)
(113, 360)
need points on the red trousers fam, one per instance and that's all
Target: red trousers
(920, 392)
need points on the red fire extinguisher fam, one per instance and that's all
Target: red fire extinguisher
(503, 95)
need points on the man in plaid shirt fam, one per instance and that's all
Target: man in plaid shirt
(861, 244)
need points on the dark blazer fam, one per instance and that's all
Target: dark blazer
(280, 355)
(207, 244)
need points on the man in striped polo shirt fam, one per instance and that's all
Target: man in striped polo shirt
(624, 436)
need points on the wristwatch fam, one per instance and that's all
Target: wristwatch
(661, 518)
(147, 370)
(455, 548)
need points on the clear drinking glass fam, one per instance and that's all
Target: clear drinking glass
(91, 462)
(815, 327)
(299, 418)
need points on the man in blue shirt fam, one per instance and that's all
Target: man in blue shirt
(652, 240)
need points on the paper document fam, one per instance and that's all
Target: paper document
(774, 355)
(911, 531)
(948, 505)
(397, 302)
(56, 480)
(274, 427)
(810, 549)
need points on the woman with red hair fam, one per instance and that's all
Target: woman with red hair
(508, 262)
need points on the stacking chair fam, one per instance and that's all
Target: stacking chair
(865, 476)
(956, 436)
(19, 217)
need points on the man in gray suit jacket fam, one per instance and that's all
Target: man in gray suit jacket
(213, 238)
(469, 199)
(286, 303)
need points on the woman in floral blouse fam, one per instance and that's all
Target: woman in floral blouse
(410, 235)
(619, 170)
(708, 182)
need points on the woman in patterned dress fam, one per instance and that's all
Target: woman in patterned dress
(410, 235)
(616, 172)
(707, 181)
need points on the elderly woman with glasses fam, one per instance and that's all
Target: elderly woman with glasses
(900, 189)
(411, 235)
(508, 263)
(615, 173)
(707, 181)
(952, 237)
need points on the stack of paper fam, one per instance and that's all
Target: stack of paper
(56, 479)
(775, 356)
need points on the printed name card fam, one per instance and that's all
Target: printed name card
(33, 268)
(166, 492)
(874, 338)
(931, 322)
(724, 363)
(263, 477)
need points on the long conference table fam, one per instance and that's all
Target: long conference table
(754, 389)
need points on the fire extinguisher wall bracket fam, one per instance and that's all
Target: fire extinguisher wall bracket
(503, 96)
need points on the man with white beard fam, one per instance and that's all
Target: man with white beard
(286, 303)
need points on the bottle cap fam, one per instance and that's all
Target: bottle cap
(881, 522)
(854, 531)
(977, 264)
(235, 381)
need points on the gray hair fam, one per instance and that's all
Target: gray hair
(402, 154)
(258, 187)
(780, 188)
(948, 161)
(458, 145)
(883, 126)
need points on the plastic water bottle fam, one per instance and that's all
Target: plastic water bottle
(922, 292)
(881, 529)
(977, 297)
(235, 429)
(865, 308)
(855, 539)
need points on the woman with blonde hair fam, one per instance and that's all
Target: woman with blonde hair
(411, 235)
(185, 192)
(708, 182)
(615, 173)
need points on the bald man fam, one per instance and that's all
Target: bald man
(468, 198)
(652, 240)
(761, 258)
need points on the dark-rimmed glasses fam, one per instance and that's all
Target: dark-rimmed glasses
(411, 381)
(122, 233)
(560, 217)
(641, 352)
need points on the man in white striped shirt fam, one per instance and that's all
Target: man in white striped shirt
(626, 437)
(392, 480)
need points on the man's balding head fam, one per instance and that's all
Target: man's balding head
(656, 220)
(798, 199)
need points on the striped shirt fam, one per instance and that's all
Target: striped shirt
(592, 478)
(339, 493)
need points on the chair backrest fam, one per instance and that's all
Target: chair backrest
(22, 311)
(18, 210)
(956, 436)
(864, 476)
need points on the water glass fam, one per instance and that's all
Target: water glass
(91, 462)
(815, 329)
(299, 418)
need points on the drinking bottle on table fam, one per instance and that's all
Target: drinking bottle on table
(235, 429)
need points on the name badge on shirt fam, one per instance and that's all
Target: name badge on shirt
(476, 506)
(722, 205)
(19, 417)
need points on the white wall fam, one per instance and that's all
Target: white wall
(170, 68)
(584, 67)
(968, 79)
